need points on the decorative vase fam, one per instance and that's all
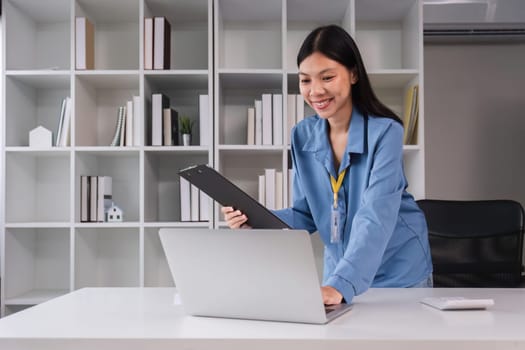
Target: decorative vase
(186, 139)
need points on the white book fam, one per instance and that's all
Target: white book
(277, 119)
(129, 124)
(250, 127)
(267, 119)
(262, 190)
(185, 200)
(65, 134)
(269, 175)
(278, 190)
(104, 196)
(290, 116)
(258, 122)
(148, 43)
(93, 195)
(204, 120)
(161, 43)
(204, 210)
(84, 198)
(84, 43)
(158, 103)
(194, 203)
(299, 108)
(137, 120)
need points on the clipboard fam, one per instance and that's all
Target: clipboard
(226, 193)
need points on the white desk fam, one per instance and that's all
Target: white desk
(135, 318)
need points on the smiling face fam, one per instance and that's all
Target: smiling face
(326, 86)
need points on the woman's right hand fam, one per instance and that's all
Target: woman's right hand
(235, 218)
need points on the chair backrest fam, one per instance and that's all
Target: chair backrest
(475, 243)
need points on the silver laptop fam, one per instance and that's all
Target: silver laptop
(249, 274)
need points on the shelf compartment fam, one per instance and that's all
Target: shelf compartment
(162, 183)
(389, 33)
(37, 34)
(96, 108)
(37, 264)
(249, 34)
(190, 22)
(183, 91)
(106, 257)
(33, 182)
(237, 93)
(116, 26)
(156, 269)
(123, 167)
(243, 168)
(33, 100)
(305, 15)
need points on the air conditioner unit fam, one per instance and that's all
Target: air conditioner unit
(474, 20)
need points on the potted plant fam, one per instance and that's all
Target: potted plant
(186, 125)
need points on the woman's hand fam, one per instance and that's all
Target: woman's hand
(235, 218)
(331, 296)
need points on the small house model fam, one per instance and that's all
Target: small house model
(114, 214)
(40, 137)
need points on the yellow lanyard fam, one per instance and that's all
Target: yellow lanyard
(336, 185)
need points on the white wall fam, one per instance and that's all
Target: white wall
(475, 121)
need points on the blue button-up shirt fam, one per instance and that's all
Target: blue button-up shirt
(384, 240)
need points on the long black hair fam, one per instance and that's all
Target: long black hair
(335, 43)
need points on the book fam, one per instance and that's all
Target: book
(410, 124)
(278, 190)
(171, 127)
(262, 190)
(290, 187)
(269, 176)
(204, 206)
(299, 108)
(185, 200)
(204, 120)
(258, 122)
(129, 124)
(267, 119)
(60, 122)
(161, 43)
(194, 203)
(84, 198)
(93, 189)
(290, 116)
(250, 127)
(277, 119)
(123, 128)
(148, 43)
(104, 197)
(158, 103)
(137, 120)
(65, 132)
(84, 44)
(118, 127)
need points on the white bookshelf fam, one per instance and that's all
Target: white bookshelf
(232, 50)
(46, 250)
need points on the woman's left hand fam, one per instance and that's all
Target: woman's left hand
(331, 296)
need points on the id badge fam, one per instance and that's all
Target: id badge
(335, 236)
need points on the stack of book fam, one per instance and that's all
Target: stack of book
(194, 204)
(271, 189)
(95, 197)
(63, 134)
(265, 120)
(127, 128)
(157, 43)
(411, 115)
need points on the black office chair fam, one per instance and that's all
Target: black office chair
(475, 243)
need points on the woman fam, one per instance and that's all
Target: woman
(349, 182)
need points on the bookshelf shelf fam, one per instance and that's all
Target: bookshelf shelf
(233, 51)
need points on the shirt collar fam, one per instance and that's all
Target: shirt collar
(319, 144)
